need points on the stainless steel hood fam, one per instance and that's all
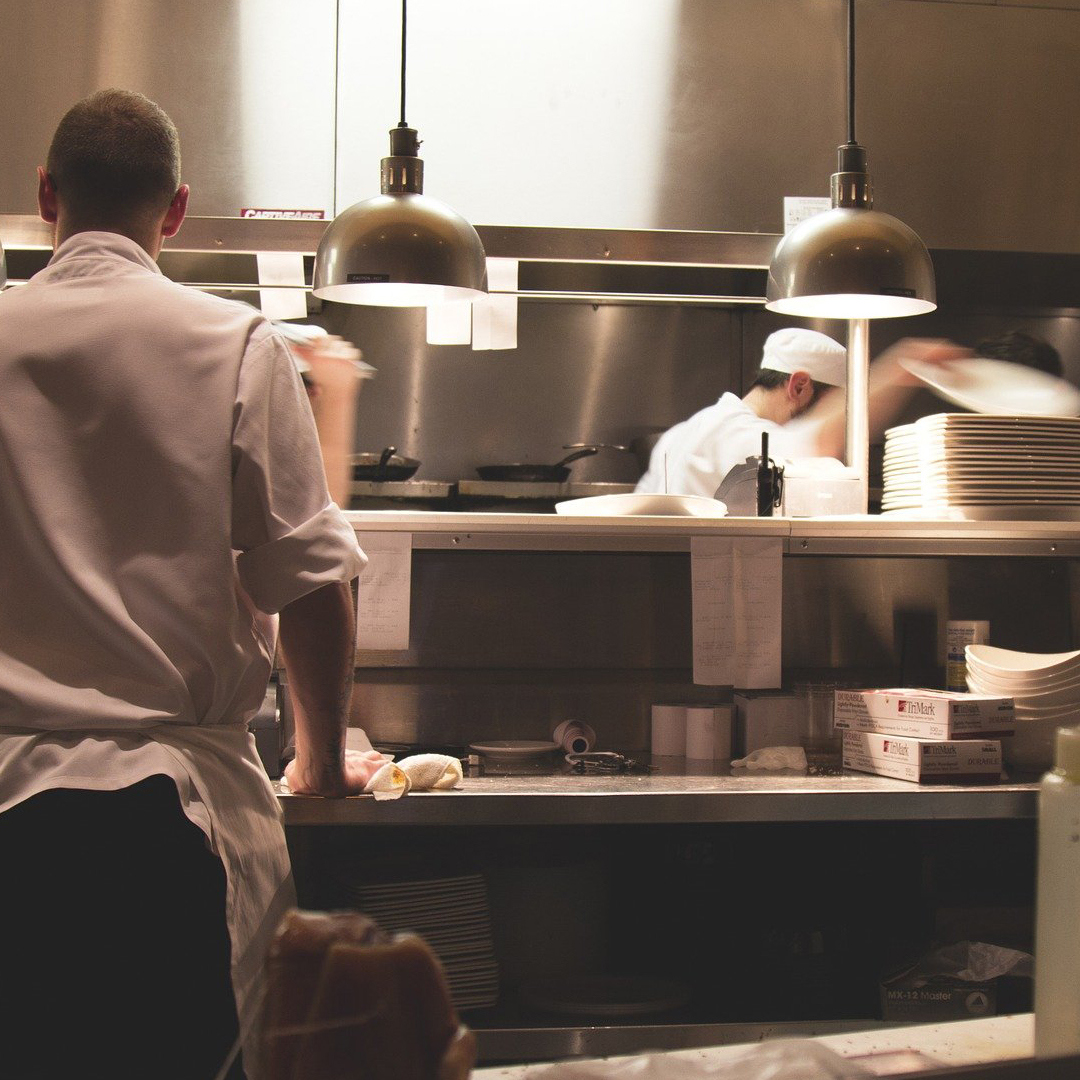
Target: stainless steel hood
(671, 114)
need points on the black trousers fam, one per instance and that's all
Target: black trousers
(114, 952)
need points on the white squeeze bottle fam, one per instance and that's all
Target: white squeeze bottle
(1057, 904)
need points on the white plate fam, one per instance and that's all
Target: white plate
(980, 421)
(633, 504)
(1008, 661)
(517, 748)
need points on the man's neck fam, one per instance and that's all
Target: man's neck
(767, 404)
(150, 244)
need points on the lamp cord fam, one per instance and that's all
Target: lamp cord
(401, 122)
(851, 71)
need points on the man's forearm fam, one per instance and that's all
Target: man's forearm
(317, 640)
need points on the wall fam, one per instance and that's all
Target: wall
(699, 114)
(674, 114)
(508, 644)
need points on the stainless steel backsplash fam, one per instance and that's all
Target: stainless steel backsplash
(509, 644)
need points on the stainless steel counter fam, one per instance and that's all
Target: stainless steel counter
(869, 535)
(539, 797)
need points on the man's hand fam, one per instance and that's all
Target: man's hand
(888, 369)
(348, 777)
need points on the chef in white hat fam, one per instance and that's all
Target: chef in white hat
(797, 368)
(792, 398)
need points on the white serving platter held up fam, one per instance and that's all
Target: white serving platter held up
(997, 387)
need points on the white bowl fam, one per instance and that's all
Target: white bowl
(1029, 679)
(1032, 747)
(1008, 662)
(1050, 699)
(1011, 688)
(1067, 714)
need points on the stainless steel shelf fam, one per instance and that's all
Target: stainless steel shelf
(523, 1044)
(569, 799)
(868, 536)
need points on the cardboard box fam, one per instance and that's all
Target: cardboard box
(922, 760)
(924, 714)
(768, 719)
(917, 1001)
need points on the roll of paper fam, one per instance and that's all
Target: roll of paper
(574, 737)
(669, 730)
(708, 732)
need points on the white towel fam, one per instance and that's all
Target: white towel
(390, 782)
(773, 757)
(432, 772)
(422, 772)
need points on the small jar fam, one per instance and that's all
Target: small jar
(822, 742)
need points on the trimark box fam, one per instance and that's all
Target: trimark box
(921, 760)
(924, 714)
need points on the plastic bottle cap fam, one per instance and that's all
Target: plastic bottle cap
(1067, 757)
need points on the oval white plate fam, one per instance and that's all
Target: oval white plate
(514, 748)
(633, 504)
(997, 387)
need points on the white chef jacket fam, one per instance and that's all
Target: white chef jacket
(701, 451)
(161, 497)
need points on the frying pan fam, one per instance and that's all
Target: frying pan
(543, 474)
(385, 466)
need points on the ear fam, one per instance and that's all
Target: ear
(800, 387)
(174, 216)
(46, 196)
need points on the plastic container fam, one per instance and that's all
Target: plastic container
(959, 634)
(822, 742)
(1057, 904)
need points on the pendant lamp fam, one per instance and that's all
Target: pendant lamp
(851, 262)
(401, 248)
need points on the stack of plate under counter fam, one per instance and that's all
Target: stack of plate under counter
(451, 914)
(924, 736)
(978, 467)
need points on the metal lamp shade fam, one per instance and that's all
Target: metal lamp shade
(400, 250)
(851, 263)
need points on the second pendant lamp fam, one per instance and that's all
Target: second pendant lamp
(401, 248)
(851, 262)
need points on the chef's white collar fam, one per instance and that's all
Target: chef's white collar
(96, 244)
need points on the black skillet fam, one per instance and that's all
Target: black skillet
(542, 474)
(385, 466)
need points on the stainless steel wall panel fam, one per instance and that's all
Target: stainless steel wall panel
(505, 644)
(967, 113)
(542, 115)
(581, 373)
(249, 83)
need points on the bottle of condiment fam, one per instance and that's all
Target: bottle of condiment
(959, 633)
(1057, 904)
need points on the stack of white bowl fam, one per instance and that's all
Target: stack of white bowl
(1045, 688)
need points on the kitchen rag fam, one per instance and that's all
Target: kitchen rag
(773, 757)
(421, 772)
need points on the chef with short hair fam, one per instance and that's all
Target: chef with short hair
(793, 399)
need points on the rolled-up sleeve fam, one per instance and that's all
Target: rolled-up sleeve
(289, 536)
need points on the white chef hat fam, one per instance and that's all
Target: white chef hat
(795, 349)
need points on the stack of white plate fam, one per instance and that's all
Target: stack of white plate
(984, 467)
(452, 916)
(1045, 688)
